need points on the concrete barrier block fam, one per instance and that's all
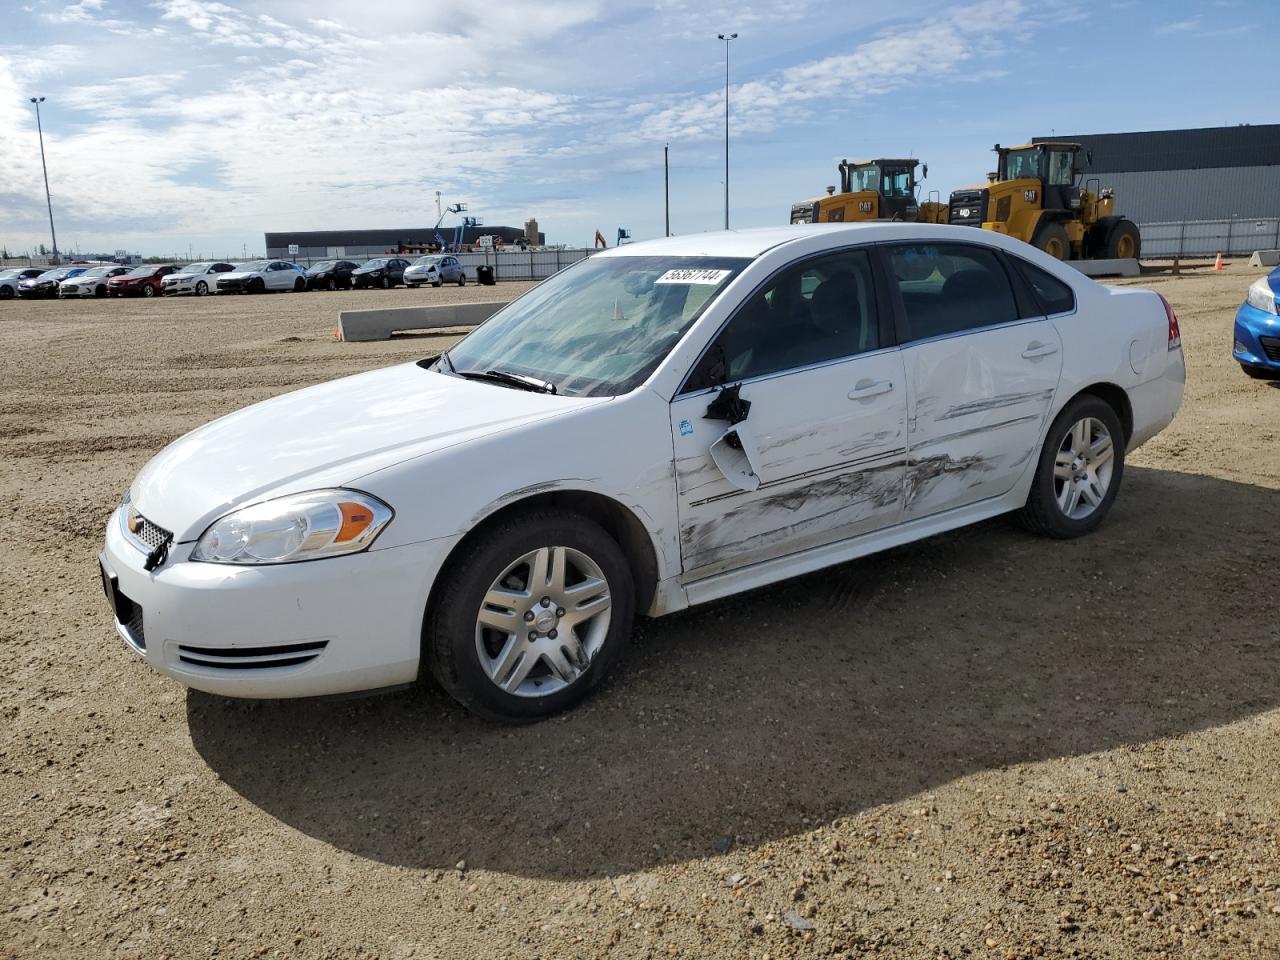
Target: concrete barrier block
(1108, 268)
(358, 325)
(1265, 258)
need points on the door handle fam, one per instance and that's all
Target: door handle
(1035, 350)
(866, 389)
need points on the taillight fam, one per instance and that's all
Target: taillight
(1175, 333)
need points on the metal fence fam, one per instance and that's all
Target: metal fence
(508, 264)
(1207, 238)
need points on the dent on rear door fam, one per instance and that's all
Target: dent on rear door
(978, 403)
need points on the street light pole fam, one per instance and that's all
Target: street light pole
(43, 166)
(726, 37)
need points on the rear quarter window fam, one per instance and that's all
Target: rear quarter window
(1054, 295)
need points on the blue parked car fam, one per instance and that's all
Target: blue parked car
(1257, 333)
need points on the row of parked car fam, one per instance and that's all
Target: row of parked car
(256, 276)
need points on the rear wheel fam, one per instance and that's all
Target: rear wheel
(1078, 475)
(6, 293)
(1123, 241)
(527, 620)
(1052, 239)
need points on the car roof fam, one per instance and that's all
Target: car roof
(755, 241)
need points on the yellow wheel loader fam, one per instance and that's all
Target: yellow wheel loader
(881, 189)
(1036, 195)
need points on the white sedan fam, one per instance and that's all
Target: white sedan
(195, 278)
(660, 425)
(91, 283)
(262, 276)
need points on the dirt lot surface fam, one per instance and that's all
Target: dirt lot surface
(985, 744)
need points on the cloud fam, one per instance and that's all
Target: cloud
(1180, 26)
(314, 116)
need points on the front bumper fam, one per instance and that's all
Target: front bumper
(79, 290)
(38, 293)
(185, 286)
(1256, 338)
(235, 286)
(340, 625)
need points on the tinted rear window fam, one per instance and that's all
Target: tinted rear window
(1054, 295)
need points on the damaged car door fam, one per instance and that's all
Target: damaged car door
(790, 432)
(982, 366)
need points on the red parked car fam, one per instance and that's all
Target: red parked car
(143, 281)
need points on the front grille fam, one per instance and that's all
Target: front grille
(148, 534)
(1271, 347)
(968, 208)
(252, 658)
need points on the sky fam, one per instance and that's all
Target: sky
(194, 126)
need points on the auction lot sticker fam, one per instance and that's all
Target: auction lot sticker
(693, 275)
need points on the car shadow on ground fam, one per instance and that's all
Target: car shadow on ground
(815, 698)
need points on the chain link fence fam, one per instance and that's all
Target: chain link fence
(1208, 238)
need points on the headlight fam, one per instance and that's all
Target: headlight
(1261, 296)
(305, 526)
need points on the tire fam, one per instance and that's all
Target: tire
(99, 291)
(299, 285)
(257, 285)
(1044, 512)
(453, 638)
(148, 290)
(1123, 241)
(462, 279)
(386, 283)
(1052, 239)
(412, 286)
(202, 288)
(1260, 373)
(438, 283)
(6, 293)
(331, 284)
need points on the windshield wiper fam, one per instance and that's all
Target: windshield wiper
(516, 380)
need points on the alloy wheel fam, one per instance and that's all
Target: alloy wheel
(542, 621)
(1083, 468)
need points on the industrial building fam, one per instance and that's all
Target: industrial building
(361, 244)
(1210, 173)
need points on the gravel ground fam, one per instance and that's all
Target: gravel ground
(984, 744)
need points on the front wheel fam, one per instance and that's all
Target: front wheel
(148, 291)
(1260, 373)
(529, 617)
(1078, 475)
(201, 288)
(99, 291)
(1052, 239)
(386, 283)
(462, 279)
(258, 285)
(299, 285)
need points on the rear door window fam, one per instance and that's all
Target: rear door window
(1053, 295)
(947, 288)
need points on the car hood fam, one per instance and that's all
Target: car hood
(369, 269)
(421, 268)
(328, 435)
(183, 276)
(130, 278)
(238, 275)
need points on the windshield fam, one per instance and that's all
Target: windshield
(1022, 163)
(253, 266)
(57, 273)
(373, 264)
(599, 328)
(865, 178)
(196, 268)
(9, 274)
(322, 266)
(425, 261)
(145, 270)
(96, 272)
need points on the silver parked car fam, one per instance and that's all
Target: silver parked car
(435, 270)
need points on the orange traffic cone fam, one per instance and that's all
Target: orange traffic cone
(337, 332)
(1217, 264)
